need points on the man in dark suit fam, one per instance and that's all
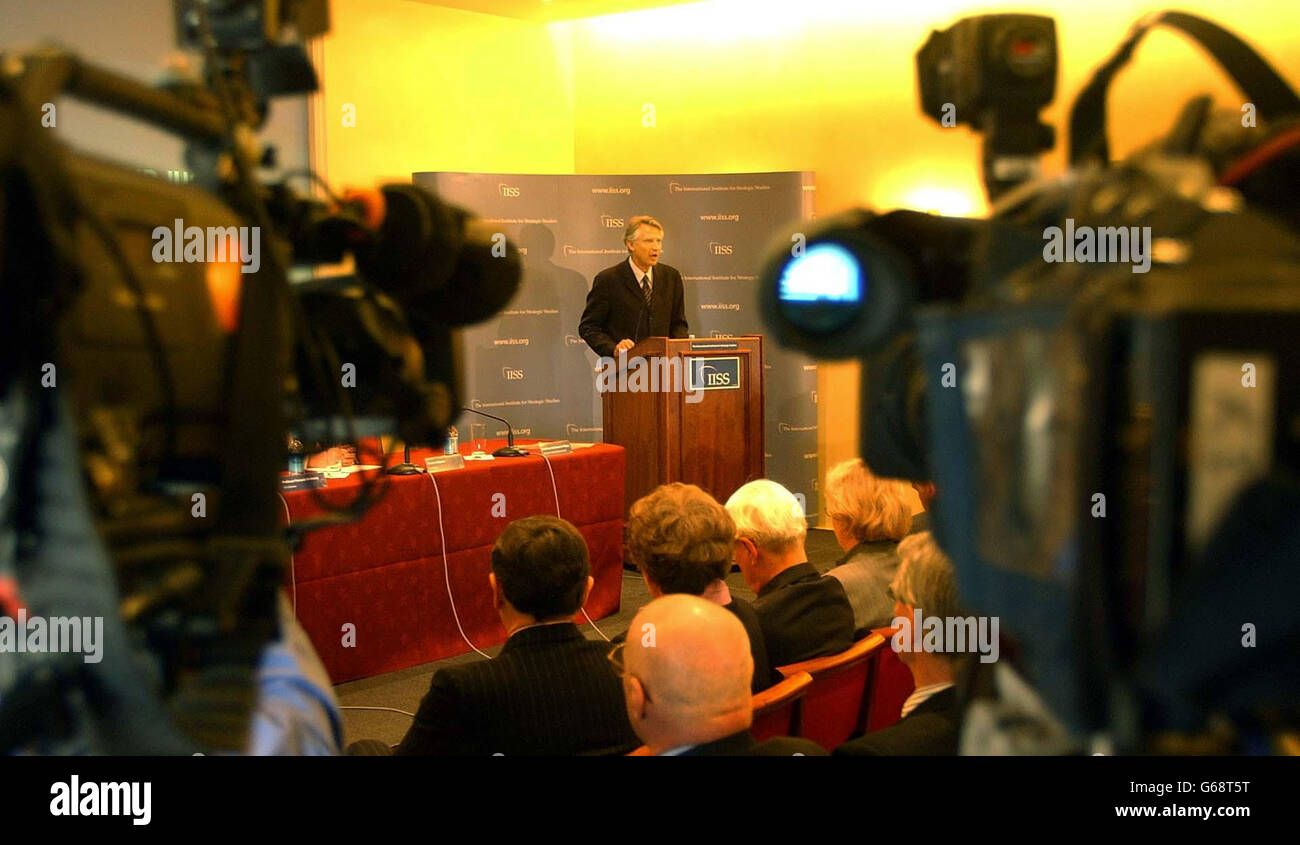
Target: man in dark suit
(636, 298)
(550, 691)
(686, 674)
(931, 714)
(803, 614)
(930, 730)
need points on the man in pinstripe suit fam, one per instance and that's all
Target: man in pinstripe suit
(550, 691)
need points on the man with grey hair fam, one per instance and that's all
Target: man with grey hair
(636, 298)
(802, 614)
(930, 725)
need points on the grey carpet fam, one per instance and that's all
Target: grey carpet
(404, 689)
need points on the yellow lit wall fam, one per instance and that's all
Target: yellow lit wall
(440, 89)
(736, 85)
(749, 85)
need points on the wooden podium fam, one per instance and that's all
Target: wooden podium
(702, 424)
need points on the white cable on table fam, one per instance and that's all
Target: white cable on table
(446, 570)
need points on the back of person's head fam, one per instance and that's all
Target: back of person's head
(541, 565)
(687, 673)
(769, 515)
(925, 578)
(869, 507)
(680, 538)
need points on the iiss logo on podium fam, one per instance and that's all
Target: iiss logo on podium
(713, 374)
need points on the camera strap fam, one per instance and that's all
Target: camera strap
(1262, 85)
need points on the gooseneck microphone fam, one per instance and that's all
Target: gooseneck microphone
(509, 450)
(406, 467)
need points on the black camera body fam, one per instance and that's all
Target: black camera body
(993, 73)
(1103, 382)
(166, 351)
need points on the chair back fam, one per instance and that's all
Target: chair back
(776, 709)
(834, 707)
(892, 685)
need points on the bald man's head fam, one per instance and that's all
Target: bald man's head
(688, 672)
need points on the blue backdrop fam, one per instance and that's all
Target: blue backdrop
(528, 364)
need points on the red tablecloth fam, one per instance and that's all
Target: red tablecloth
(385, 574)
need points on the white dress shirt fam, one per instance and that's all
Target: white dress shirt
(642, 276)
(920, 694)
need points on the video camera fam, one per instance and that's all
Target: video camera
(1102, 379)
(164, 341)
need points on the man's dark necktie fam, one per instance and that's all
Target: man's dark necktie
(645, 288)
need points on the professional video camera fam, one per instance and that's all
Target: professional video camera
(147, 386)
(1102, 379)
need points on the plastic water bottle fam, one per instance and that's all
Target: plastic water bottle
(297, 456)
(452, 445)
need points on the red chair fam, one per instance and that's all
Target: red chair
(835, 707)
(776, 709)
(891, 686)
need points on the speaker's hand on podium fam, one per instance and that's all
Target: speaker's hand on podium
(622, 345)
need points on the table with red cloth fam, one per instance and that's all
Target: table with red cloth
(385, 574)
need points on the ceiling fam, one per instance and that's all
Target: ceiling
(546, 11)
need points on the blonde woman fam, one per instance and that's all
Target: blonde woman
(869, 515)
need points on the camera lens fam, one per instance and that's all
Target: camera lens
(839, 292)
(822, 289)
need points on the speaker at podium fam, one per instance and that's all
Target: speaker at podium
(689, 410)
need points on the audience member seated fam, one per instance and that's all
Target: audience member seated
(681, 539)
(686, 677)
(802, 614)
(550, 691)
(869, 515)
(931, 718)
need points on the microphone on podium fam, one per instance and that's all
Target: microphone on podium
(509, 450)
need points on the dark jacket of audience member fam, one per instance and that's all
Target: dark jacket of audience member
(550, 690)
(803, 615)
(931, 730)
(743, 744)
(764, 673)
